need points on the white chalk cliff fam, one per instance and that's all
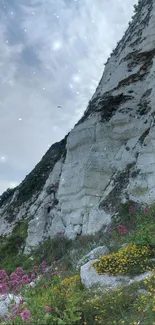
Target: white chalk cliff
(109, 156)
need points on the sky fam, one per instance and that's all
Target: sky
(52, 56)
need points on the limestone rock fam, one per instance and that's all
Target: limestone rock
(94, 254)
(90, 277)
(107, 158)
(3, 309)
(5, 301)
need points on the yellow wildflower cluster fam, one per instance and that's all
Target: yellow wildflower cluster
(71, 280)
(125, 261)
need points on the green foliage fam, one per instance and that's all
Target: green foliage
(6, 195)
(52, 249)
(11, 247)
(36, 179)
(71, 304)
(131, 215)
(145, 235)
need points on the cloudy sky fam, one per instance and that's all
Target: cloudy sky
(52, 56)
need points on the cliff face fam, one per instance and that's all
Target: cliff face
(109, 156)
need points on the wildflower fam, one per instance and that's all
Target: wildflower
(132, 208)
(25, 314)
(122, 230)
(60, 234)
(13, 282)
(15, 309)
(3, 276)
(33, 276)
(35, 268)
(13, 276)
(110, 228)
(48, 309)
(11, 316)
(19, 271)
(146, 210)
(25, 279)
(3, 288)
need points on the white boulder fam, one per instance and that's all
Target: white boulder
(90, 277)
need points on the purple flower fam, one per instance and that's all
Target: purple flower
(11, 316)
(122, 230)
(14, 276)
(3, 288)
(60, 234)
(48, 309)
(132, 208)
(3, 276)
(25, 279)
(19, 271)
(33, 275)
(25, 314)
(15, 309)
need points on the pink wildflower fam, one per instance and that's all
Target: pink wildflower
(14, 282)
(19, 271)
(25, 314)
(146, 210)
(15, 309)
(3, 288)
(33, 275)
(11, 316)
(110, 229)
(60, 234)
(122, 230)
(14, 276)
(48, 309)
(3, 276)
(35, 268)
(132, 208)
(25, 279)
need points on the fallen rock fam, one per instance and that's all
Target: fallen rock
(5, 301)
(95, 253)
(90, 277)
(3, 309)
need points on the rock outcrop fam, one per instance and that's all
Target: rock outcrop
(94, 254)
(90, 278)
(109, 156)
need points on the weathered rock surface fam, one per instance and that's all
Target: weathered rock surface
(5, 301)
(90, 277)
(94, 254)
(108, 157)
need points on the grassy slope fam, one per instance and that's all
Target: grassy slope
(71, 303)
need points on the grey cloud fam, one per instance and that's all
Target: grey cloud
(51, 53)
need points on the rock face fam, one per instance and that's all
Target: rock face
(108, 157)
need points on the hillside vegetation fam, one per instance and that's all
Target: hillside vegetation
(58, 296)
